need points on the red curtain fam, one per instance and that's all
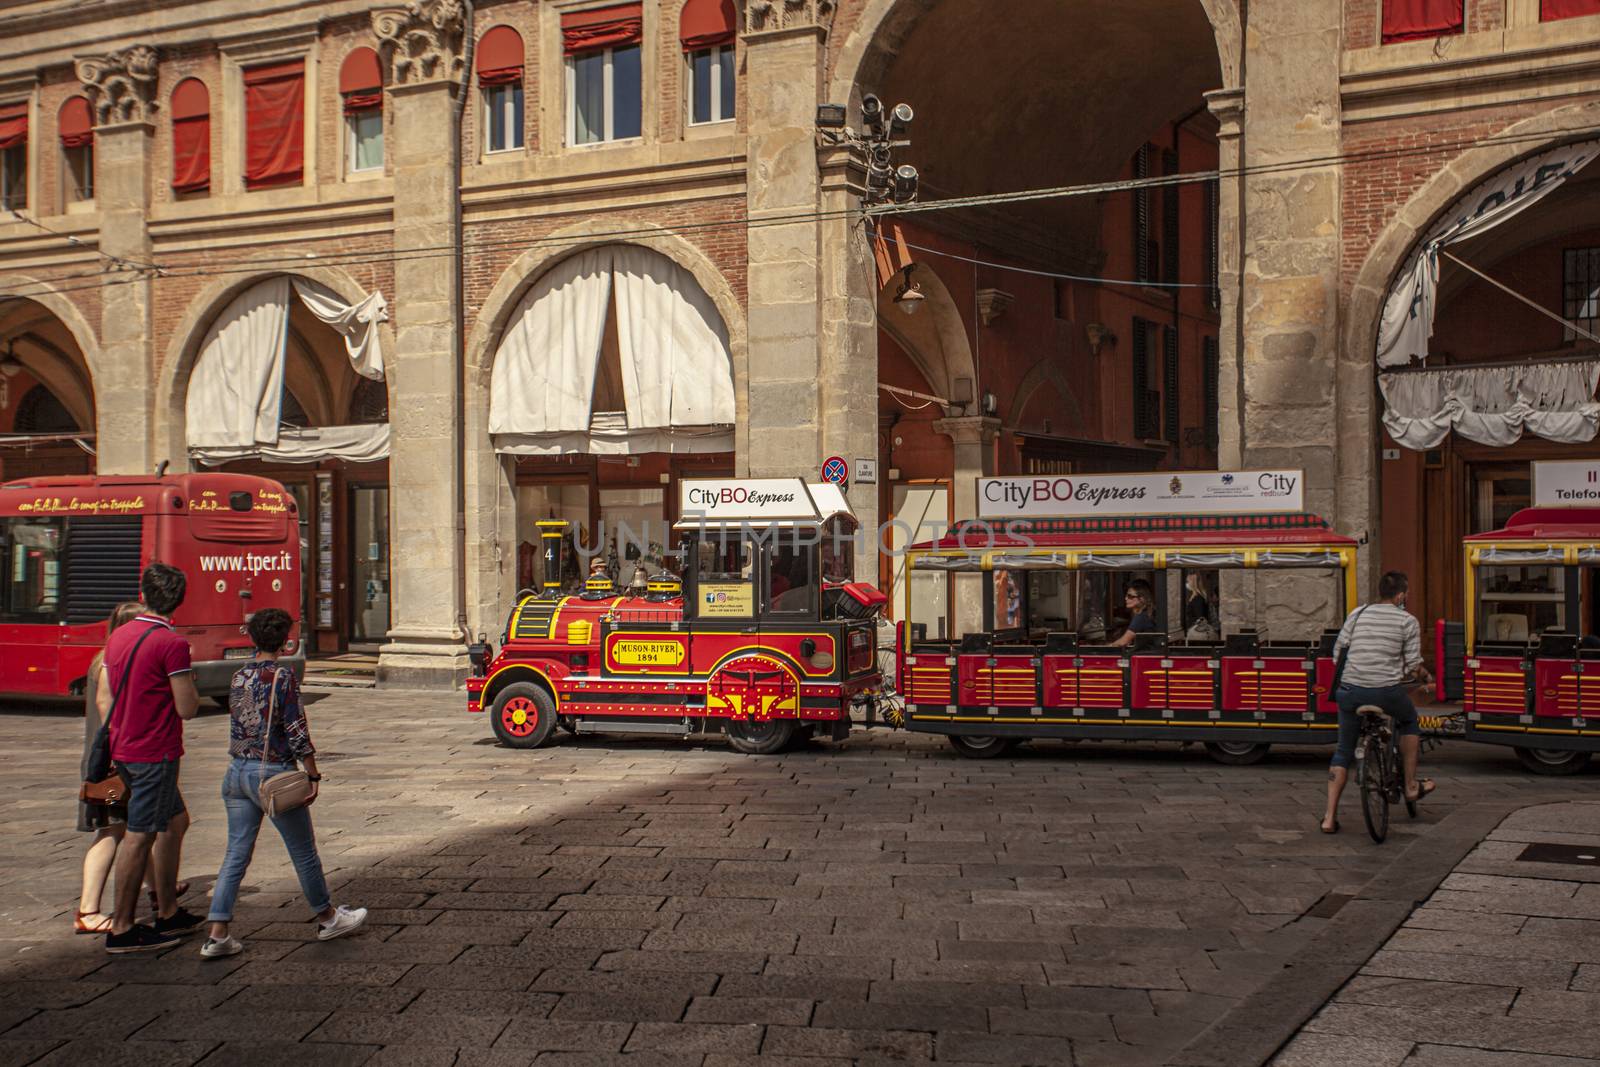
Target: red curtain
(1411, 20)
(1550, 10)
(75, 124)
(191, 136)
(499, 57)
(274, 119)
(13, 125)
(361, 81)
(606, 27)
(706, 24)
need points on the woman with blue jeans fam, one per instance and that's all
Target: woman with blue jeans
(267, 734)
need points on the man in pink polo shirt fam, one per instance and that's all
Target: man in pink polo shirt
(147, 662)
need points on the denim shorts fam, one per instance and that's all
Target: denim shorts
(153, 797)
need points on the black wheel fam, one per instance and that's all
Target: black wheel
(760, 738)
(1371, 776)
(1553, 760)
(1236, 753)
(523, 715)
(981, 747)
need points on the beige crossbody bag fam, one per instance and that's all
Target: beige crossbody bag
(289, 789)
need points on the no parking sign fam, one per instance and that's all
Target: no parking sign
(837, 471)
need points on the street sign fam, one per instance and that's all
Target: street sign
(835, 470)
(867, 471)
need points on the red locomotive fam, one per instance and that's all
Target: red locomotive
(765, 637)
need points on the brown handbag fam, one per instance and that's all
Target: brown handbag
(102, 783)
(287, 790)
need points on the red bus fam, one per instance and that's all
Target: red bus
(72, 547)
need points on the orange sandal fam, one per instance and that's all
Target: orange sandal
(81, 927)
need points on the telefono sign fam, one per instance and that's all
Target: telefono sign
(1169, 493)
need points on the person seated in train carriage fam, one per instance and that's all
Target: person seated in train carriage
(1140, 599)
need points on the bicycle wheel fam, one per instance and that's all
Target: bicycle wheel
(1372, 777)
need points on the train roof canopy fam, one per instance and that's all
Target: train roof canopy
(1546, 524)
(1153, 531)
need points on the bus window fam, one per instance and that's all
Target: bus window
(724, 577)
(30, 590)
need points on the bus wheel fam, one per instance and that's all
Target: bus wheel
(759, 738)
(1236, 753)
(982, 747)
(523, 715)
(1552, 760)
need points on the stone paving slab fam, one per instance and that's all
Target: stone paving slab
(1500, 988)
(883, 900)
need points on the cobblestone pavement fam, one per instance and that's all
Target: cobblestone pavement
(676, 903)
(1499, 968)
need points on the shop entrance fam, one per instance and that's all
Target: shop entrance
(369, 566)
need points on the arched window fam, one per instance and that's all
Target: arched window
(291, 412)
(191, 137)
(76, 127)
(706, 30)
(370, 402)
(499, 63)
(14, 156)
(39, 412)
(361, 85)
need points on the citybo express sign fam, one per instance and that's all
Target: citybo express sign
(746, 498)
(1169, 493)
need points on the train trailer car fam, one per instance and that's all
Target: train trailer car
(1042, 666)
(1531, 676)
(765, 637)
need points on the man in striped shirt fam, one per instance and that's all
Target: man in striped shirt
(1385, 650)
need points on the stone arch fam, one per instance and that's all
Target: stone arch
(883, 24)
(172, 378)
(1047, 372)
(44, 294)
(935, 339)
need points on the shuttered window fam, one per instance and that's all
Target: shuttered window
(1146, 400)
(1411, 20)
(1169, 384)
(1212, 212)
(1141, 217)
(1170, 268)
(1213, 385)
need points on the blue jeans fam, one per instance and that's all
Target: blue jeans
(1394, 699)
(241, 788)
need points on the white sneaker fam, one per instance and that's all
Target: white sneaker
(345, 921)
(216, 950)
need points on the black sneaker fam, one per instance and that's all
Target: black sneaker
(182, 921)
(140, 938)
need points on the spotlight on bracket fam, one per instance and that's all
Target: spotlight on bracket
(872, 114)
(900, 120)
(905, 183)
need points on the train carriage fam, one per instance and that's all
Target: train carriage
(765, 637)
(1041, 665)
(1531, 672)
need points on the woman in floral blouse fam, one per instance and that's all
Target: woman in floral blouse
(262, 692)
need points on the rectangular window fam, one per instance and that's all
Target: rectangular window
(791, 583)
(1146, 401)
(274, 121)
(1580, 291)
(502, 117)
(1551, 10)
(30, 588)
(1213, 209)
(78, 165)
(14, 178)
(604, 101)
(364, 145)
(711, 85)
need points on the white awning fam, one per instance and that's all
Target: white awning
(1492, 405)
(235, 393)
(676, 370)
(1407, 320)
(364, 443)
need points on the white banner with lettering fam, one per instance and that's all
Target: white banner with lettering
(740, 499)
(1407, 320)
(1566, 483)
(1171, 493)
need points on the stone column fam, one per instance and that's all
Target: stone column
(1228, 106)
(973, 436)
(783, 74)
(121, 89)
(1289, 275)
(427, 644)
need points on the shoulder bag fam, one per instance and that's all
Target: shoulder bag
(286, 790)
(100, 785)
(1338, 666)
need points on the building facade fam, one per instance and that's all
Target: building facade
(448, 269)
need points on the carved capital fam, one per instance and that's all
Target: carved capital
(422, 41)
(121, 85)
(766, 16)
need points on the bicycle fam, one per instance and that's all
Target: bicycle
(1378, 772)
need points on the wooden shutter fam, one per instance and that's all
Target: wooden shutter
(1213, 209)
(1213, 385)
(1146, 401)
(1169, 384)
(1169, 221)
(1141, 216)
